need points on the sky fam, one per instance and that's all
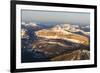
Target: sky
(53, 17)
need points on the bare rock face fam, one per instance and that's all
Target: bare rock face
(75, 55)
(62, 34)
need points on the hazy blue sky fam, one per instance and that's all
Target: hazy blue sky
(50, 17)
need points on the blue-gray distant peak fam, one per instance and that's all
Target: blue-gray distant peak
(51, 17)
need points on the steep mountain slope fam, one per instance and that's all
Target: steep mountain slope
(61, 33)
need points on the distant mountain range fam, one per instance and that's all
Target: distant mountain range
(61, 40)
(73, 28)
